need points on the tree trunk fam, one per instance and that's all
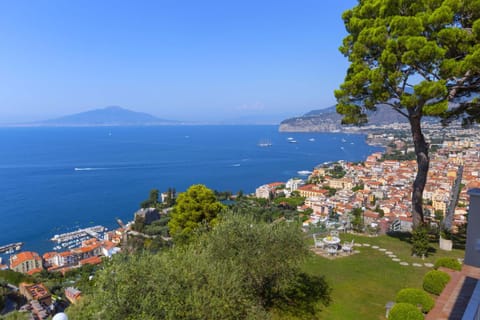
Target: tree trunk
(423, 162)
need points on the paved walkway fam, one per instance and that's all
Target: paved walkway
(453, 300)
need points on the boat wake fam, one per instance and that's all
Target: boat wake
(89, 169)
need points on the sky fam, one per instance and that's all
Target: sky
(176, 59)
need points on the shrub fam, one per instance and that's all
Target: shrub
(420, 242)
(416, 296)
(435, 280)
(405, 311)
(449, 263)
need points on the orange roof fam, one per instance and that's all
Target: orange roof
(109, 245)
(49, 255)
(36, 270)
(276, 184)
(91, 260)
(22, 257)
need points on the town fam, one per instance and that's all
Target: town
(380, 187)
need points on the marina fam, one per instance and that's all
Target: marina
(11, 248)
(73, 239)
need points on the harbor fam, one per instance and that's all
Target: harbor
(11, 248)
(74, 239)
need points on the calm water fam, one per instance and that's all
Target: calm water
(55, 180)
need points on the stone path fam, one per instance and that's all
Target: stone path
(390, 254)
(394, 257)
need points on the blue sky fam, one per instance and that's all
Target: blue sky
(182, 60)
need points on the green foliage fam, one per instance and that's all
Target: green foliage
(193, 208)
(336, 172)
(13, 277)
(435, 281)
(415, 297)
(405, 311)
(152, 201)
(420, 241)
(3, 294)
(222, 275)
(291, 202)
(449, 263)
(358, 187)
(16, 315)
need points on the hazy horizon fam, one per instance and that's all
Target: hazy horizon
(211, 61)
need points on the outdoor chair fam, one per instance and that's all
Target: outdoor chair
(332, 250)
(318, 242)
(348, 247)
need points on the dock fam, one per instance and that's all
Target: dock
(10, 248)
(69, 236)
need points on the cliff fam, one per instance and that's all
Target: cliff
(328, 120)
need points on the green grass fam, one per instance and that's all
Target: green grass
(363, 283)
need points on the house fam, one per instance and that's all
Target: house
(73, 294)
(109, 249)
(36, 292)
(312, 190)
(26, 262)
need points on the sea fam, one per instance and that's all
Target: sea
(55, 180)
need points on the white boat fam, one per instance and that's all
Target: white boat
(292, 141)
(304, 172)
(265, 143)
(289, 138)
(311, 139)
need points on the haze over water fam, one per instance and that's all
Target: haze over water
(54, 180)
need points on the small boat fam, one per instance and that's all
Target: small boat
(265, 143)
(311, 139)
(304, 172)
(292, 141)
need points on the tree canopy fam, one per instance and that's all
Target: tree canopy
(195, 206)
(419, 57)
(222, 275)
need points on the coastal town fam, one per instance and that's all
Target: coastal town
(381, 187)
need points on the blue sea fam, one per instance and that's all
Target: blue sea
(54, 180)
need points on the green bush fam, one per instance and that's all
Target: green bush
(416, 296)
(449, 263)
(420, 242)
(435, 280)
(405, 311)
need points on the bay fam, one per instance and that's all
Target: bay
(54, 180)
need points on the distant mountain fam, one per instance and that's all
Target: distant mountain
(109, 116)
(328, 120)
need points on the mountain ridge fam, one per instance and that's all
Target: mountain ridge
(108, 116)
(328, 120)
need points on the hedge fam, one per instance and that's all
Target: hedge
(449, 263)
(405, 311)
(416, 296)
(435, 281)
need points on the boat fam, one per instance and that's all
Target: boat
(343, 140)
(304, 172)
(311, 139)
(265, 143)
(292, 141)
(289, 138)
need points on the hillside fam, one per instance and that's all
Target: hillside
(328, 120)
(109, 116)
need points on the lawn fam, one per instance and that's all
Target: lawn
(363, 283)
